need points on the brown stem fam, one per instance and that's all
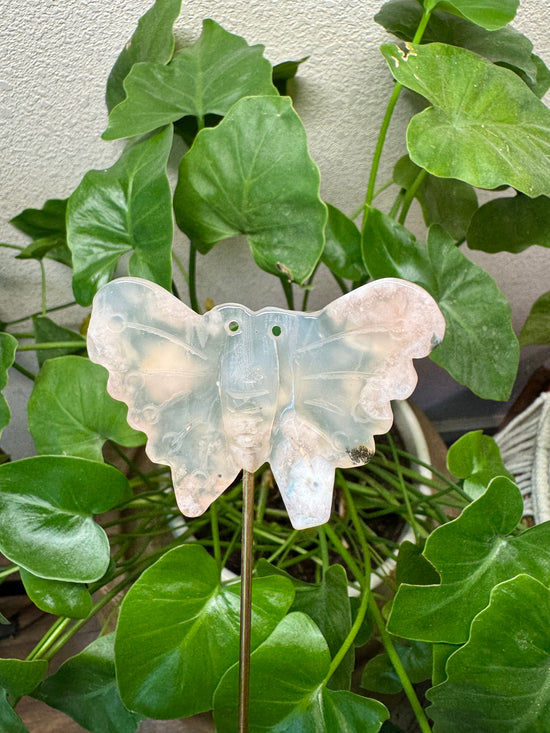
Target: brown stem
(246, 599)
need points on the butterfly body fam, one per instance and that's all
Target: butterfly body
(233, 389)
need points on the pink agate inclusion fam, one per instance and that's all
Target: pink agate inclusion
(232, 389)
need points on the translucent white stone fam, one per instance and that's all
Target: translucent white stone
(233, 389)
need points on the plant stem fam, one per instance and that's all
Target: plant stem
(48, 639)
(12, 246)
(398, 666)
(386, 123)
(192, 279)
(324, 548)
(247, 561)
(350, 638)
(384, 635)
(288, 291)
(341, 550)
(380, 146)
(181, 268)
(6, 572)
(215, 533)
(39, 313)
(411, 193)
(53, 345)
(43, 287)
(23, 371)
(341, 283)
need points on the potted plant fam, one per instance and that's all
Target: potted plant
(246, 170)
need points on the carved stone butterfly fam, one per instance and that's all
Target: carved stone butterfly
(232, 389)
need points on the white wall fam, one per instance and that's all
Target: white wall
(55, 60)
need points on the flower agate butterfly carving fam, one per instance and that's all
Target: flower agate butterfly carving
(232, 389)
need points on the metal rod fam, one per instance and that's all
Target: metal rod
(246, 599)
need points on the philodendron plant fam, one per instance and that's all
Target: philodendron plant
(468, 605)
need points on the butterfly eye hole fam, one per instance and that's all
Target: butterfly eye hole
(232, 326)
(276, 331)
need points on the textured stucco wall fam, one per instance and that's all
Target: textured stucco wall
(55, 60)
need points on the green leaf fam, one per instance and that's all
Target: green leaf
(342, 252)
(490, 14)
(44, 222)
(498, 681)
(46, 508)
(504, 46)
(126, 208)
(71, 413)
(328, 605)
(444, 201)
(19, 678)
(10, 722)
(85, 688)
(472, 554)
(252, 175)
(8, 347)
(206, 78)
(47, 331)
(480, 348)
(485, 126)
(536, 329)
(178, 631)
(152, 40)
(48, 230)
(476, 458)
(287, 690)
(55, 596)
(379, 674)
(511, 224)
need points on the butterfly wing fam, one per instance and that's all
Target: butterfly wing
(350, 361)
(163, 361)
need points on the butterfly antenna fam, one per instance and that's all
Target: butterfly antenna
(246, 599)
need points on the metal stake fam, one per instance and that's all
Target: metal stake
(246, 599)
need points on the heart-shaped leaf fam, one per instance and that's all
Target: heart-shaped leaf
(476, 458)
(71, 413)
(47, 331)
(19, 677)
(472, 554)
(505, 46)
(252, 175)
(206, 78)
(342, 252)
(152, 40)
(480, 348)
(8, 347)
(55, 596)
(287, 688)
(126, 208)
(178, 630)
(85, 688)
(511, 224)
(498, 681)
(490, 14)
(444, 201)
(484, 127)
(46, 508)
(536, 329)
